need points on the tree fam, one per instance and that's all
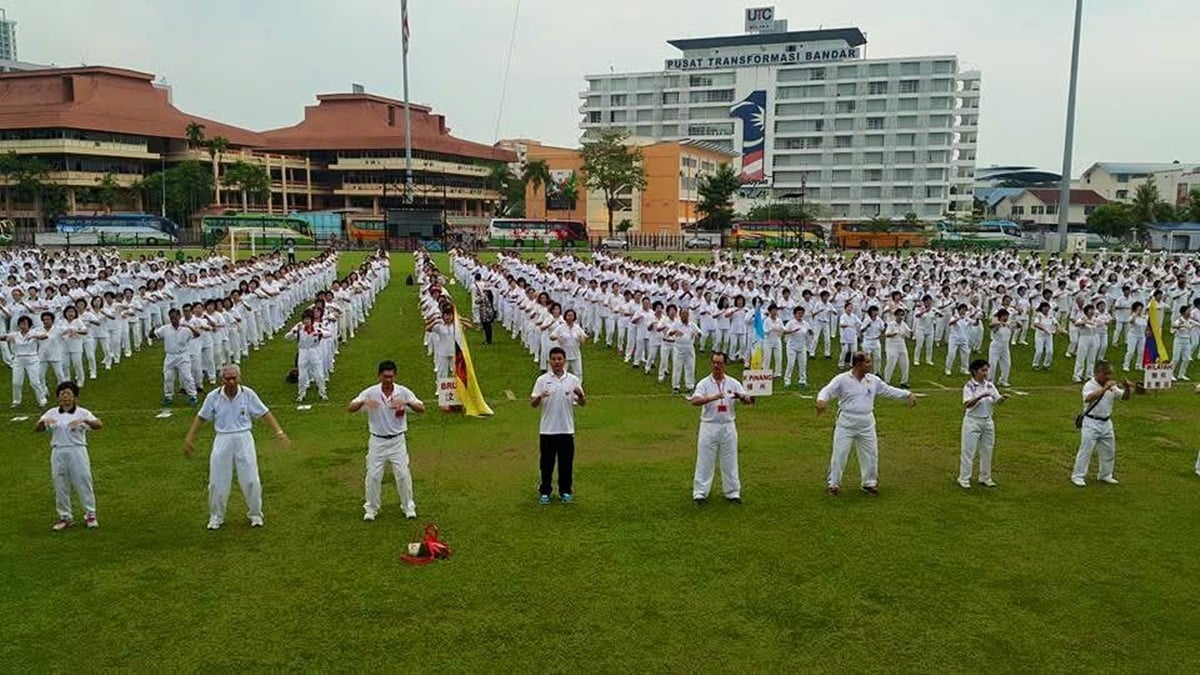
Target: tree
(570, 192)
(610, 167)
(1145, 202)
(1193, 206)
(216, 146)
(1165, 213)
(536, 174)
(188, 186)
(788, 213)
(109, 192)
(511, 188)
(1112, 221)
(716, 192)
(195, 134)
(251, 179)
(878, 223)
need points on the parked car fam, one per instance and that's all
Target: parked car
(614, 242)
(701, 242)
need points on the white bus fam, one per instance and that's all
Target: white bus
(536, 232)
(989, 229)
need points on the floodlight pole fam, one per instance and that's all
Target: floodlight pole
(1064, 196)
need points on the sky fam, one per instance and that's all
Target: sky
(257, 63)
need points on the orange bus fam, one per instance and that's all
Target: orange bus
(368, 230)
(863, 236)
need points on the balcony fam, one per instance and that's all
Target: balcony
(419, 190)
(72, 146)
(397, 164)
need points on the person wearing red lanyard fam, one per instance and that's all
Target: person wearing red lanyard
(310, 361)
(716, 395)
(386, 404)
(855, 392)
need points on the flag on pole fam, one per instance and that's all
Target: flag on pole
(404, 23)
(1155, 351)
(760, 334)
(464, 372)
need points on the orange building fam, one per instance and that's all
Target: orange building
(665, 206)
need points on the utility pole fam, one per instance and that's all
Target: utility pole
(408, 172)
(1064, 195)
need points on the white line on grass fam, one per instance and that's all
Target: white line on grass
(939, 386)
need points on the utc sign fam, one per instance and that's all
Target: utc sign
(760, 19)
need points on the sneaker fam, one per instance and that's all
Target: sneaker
(833, 490)
(964, 484)
(62, 524)
(1110, 480)
(988, 483)
(871, 490)
(544, 500)
(567, 497)
(411, 515)
(166, 402)
(369, 516)
(700, 501)
(213, 525)
(256, 521)
(90, 521)
(192, 401)
(1078, 482)
(324, 397)
(947, 373)
(737, 501)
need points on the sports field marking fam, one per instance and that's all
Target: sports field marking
(20, 418)
(509, 395)
(304, 407)
(163, 414)
(938, 385)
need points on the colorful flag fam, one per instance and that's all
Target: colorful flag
(464, 372)
(1155, 351)
(760, 334)
(404, 23)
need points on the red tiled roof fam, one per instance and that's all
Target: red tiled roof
(1078, 197)
(369, 122)
(100, 98)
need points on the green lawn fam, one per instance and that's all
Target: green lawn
(1035, 575)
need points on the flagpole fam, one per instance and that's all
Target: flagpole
(408, 172)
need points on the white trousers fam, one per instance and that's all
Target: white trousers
(443, 366)
(666, 351)
(773, 356)
(1135, 345)
(1043, 349)
(823, 334)
(797, 361)
(89, 352)
(1181, 354)
(717, 442)
(1085, 356)
(73, 365)
(575, 367)
(683, 366)
(875, 349)
(380, 453)
(1000, 357)
(978, 435)
(924, 349)
(1099, 437)
(897, 355)
(70, 467)
(311, 364)
(958, 351)
(230, 451)
(858, 431)
(28, 367)
(60, 371)
(181, 365)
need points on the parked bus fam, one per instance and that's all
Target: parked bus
(534, 233)
(864, 236)
(365, 231)
(988, 229)
(112, 229)
(267, 231)
(776, 234)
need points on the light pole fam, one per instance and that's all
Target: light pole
(1064, 195)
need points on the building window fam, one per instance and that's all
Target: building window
(873, 175)
(845, 107)
(816, 74)
(846, 89)
(1052, 209)
(712, 96)
(877, 88)
(1037, 210)
(1122, 194)
(842, 176)
(1122, 178)
(910, 86)
(874, 122)
(670, 98)
(842, 141)
(797, 143)
(710, 129)
(875, 141)
(619, 99)
(873, 158)
(700, 81)
(594, 117)
(1018, 210)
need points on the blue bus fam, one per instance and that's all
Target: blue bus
(118, 228)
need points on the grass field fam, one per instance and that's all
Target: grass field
(1034, 575)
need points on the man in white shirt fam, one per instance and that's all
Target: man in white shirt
(1096, 429)
(177, 337)
(978, 429)
(232, 409)
(800, 336)
(716, 395)
(855, 392)
(70, 466)
(387, 404)
(556, 392)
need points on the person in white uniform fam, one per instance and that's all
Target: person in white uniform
(896, 347)
(800, 339)
(716, 395)
(70, 465)
(387, 405)
(232, 409)
(24, 344)
(855, 392)
(177, 337)
(1096, 427)
(570, 336)
(683, 362)
(310, 360)
(978, 429)
(557, 392)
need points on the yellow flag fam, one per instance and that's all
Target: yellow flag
(464, 373)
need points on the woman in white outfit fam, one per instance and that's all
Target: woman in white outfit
(978, 429)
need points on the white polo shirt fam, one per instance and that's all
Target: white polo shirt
(982, 409)
(855, 396)
(58, 423)
(175, 340)
(232, 416)
(1104, 407)
(720, 411)
(390, 417)
(558, 414)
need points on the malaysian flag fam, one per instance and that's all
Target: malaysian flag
(404, 23)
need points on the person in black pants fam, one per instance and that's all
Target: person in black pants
(485, 306)
(557, 392)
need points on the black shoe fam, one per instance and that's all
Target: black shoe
(700, 501)
(871, 490)
(734, 500)
(904, 385)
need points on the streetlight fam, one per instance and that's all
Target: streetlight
(1064, 194)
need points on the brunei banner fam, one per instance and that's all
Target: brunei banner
(464, 373)
(1155, 351)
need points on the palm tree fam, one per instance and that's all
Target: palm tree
(537, 174)
(216, 146)
(195, 134)
(570, 193)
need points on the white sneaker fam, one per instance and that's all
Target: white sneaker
(256, 521)
(369, 516)
(964, 484)
(988, 483)
(1110, 480)
(213, 525)
(1078, 482)
(411, 515)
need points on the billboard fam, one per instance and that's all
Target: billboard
(752, 111)
(562, 191)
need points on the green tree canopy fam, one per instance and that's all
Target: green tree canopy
(188, 186)
(511, 188)
(611, 166)
(536, 175)
(251, 179)
(716, 192)
(1112, 221)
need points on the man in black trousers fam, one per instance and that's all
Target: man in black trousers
(557, 392)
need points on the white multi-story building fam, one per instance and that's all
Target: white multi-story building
(8, 38)
(807, 111)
